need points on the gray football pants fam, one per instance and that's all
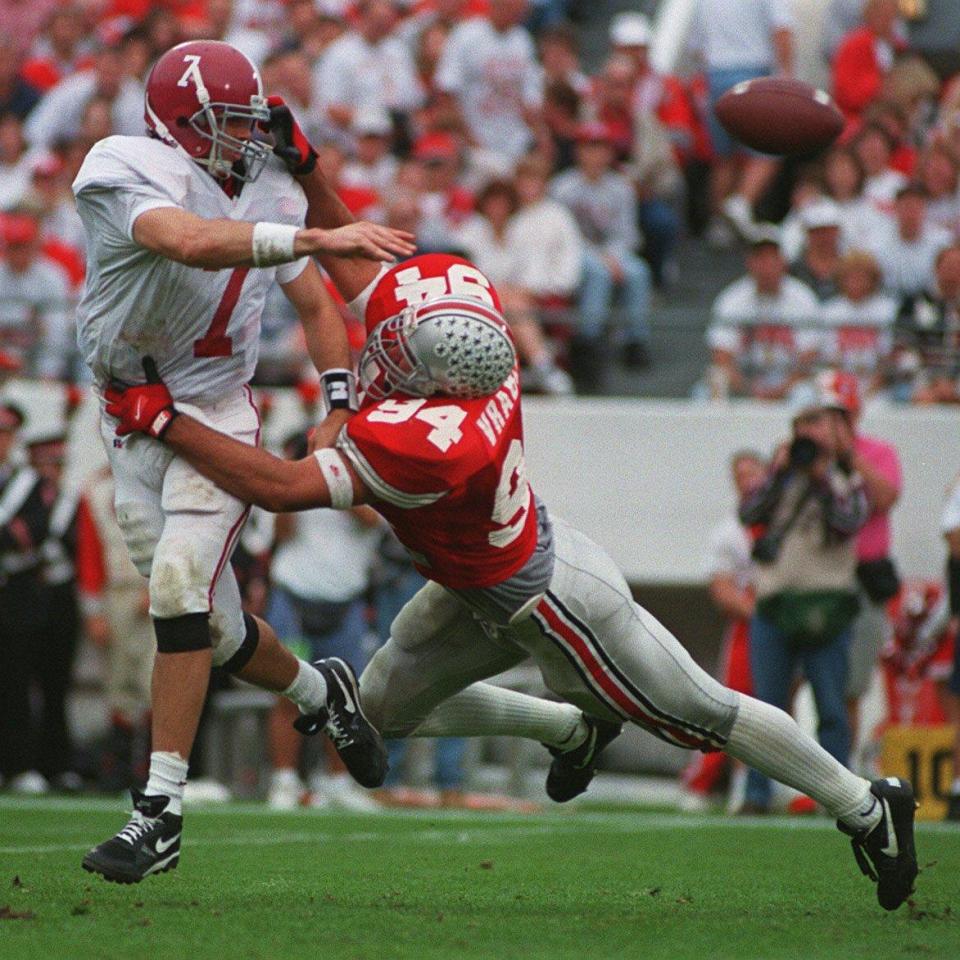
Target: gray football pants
(594, 646)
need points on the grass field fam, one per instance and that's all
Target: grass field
(266, 886)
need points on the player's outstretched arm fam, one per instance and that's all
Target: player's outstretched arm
(249, 473)
(219, 244)
(325, 210)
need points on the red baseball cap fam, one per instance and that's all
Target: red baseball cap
(19, 229)
(594, 133)
(839, 390)
(442, 145)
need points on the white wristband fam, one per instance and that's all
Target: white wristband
(339, 482)
(273, 244)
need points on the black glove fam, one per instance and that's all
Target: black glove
(289, 142)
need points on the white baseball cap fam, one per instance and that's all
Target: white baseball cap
(630, 29)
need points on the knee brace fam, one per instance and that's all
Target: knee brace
(183, 634)
(251, 638)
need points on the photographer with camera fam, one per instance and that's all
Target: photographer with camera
(803, 521)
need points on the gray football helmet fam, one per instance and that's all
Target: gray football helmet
(451, 345)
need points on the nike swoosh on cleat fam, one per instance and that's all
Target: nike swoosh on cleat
(892, 849)
(350, 705)
(162, 846)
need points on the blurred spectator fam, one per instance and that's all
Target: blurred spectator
(874, 149)
(858, 323)
(16, 95)
(730, 569)
(373, 166)
(840, 18)
(290, 73)
(820, 258)
(439, 14)
(15, 162)
(844, 180)
(489, 74)
(319, 576)
(737, 41)
(561, 117)
(560, 59)
(906, 247)
(58, 614)
(865, 56)
(612, 104)
(363, 202)
(444, 203)
(603, 203)
(950, 527)
(927, 336)
(805, 517)
(115, 604)
(484, 235)
(878, 465)
(939, 173)
(36, 322)
(35, 748)
(763, 333)
(21, 21)
(60, 114)
(59, 50)
(367, 68)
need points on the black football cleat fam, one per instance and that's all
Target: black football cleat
(886, 854)
(149, 843)
(357, 741)
(572, 770)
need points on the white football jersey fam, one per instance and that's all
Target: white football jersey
(202, 327)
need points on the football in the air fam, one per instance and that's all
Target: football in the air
(780, 116)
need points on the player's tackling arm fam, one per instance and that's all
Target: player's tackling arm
(219, 244)
(252, 474)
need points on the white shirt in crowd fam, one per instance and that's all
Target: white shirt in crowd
(605, 210)
(907, 266)
(881, 190)
(354, 73)
(733, 34)
(138, 303)
(766, 333)
(551, 262)
(728, 552)
(496, 77)
(60, 113)
(36, 318)
(858, 336)
(329, 557)
(377, 176)
(494, 256)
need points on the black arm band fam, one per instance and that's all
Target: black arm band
(339, 388)
(953, 584)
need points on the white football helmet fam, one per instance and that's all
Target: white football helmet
(451, 345)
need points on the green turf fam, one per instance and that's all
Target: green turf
(253, 884)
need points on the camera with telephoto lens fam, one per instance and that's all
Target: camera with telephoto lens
(802, 453)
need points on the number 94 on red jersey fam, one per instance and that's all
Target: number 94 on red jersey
(449, 476)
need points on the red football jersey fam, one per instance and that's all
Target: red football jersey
(450, 478)
(423, 278)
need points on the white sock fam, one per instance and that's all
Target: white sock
(309, 690)
(168, 777)
(483, 710)
(766, 738)
(955, 787)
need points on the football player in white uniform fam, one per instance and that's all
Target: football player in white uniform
(187, 229)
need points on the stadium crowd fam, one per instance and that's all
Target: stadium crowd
(475, 125)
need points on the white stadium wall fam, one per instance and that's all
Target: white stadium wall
(649, 479)
(646, 479)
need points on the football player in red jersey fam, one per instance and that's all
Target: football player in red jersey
(437, 448)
